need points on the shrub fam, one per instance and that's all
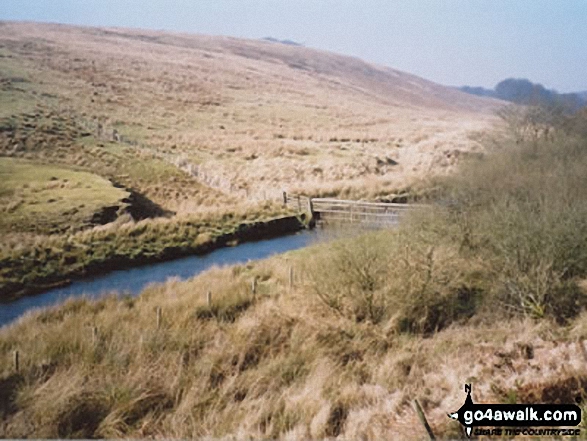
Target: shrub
(523, 210)
(391, 276)
(350, 278)
(507, 235)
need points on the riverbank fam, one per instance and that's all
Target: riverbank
(278, 364)
(53, 261)
(131, 282)
(337, 340)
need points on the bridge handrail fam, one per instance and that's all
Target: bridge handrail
(368, 204)
(360, 214)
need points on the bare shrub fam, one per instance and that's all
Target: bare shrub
(384, 276)
(352, 278)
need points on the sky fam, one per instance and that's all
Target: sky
(451, 42)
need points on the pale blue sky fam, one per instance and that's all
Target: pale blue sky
(453, 42)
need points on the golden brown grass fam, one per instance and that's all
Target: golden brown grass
(277, 365)
(488, 290)
(49, 137)
(197, 125)
(252, 117)
(471, 292)
(30, 263)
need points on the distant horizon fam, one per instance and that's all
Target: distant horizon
(477, 43)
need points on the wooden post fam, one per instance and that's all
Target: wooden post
(254, 286)
(16, 361)
(284, 198)
(291, 277)
(209, 298)
(310, 207)
(94, 335)
(423, 420)
(158, 317)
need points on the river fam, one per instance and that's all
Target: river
(133, 281)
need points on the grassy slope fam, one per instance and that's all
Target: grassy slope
(252, 115)
(248, 118)
(40, 197)
(282, 365)
(50, 136)
(488, 289)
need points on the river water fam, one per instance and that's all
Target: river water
(133, 281)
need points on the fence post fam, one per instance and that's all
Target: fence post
(158, 317)
(291, 277)
(284, 198)
(209, 298)
(16, 361)
(423, 420)
(310, 207)
(94, 335)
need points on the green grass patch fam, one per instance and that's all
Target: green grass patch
(39, 197)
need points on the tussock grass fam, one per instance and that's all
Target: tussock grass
(225, 129)
(457, 294)
(488, 287)
(238, 109)
(32, 263)
(286, 366)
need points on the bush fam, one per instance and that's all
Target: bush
(523, 210)
(386, 276)
(507, 235)
(351, 278)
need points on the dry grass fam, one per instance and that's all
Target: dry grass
(489, 290)
(62, 138)
(278, 365)
(30, 263)
(370, 323)
(196, 125)
(252, 117)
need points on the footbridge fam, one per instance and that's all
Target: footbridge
(347, 211)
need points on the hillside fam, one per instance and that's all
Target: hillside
(184, 136)
(244, 117)
(338, 338)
